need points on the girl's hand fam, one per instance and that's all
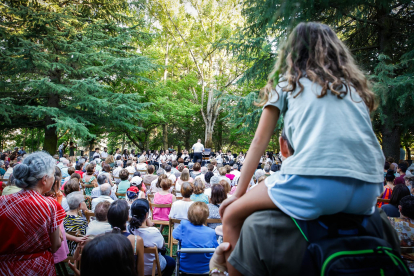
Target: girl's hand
(226, 203)
(218, 261)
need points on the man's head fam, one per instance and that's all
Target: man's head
(258, 174)
(402, 167)
(235, 167)
(167, 168)
(174, 163)
(124, 174)
(117, 150)
(105, 149)
(267, 169)
(210, 167)
(199, 141)
(204, 170)
(215, 180)
(101, 210)
(105, 189)
(119, 163)
(129, 163)
(160, 172)
(198, 213)
(97, 150)
(65, 162)
(406, 206)
(102, 179)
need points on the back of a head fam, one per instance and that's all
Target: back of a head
(407, 206)
(166, 184)
(167, 168)
(151, 169)
(210, 167)
(174, 163)
(102, 179)
(101, 210)
(118, 214)
(196, 167)
(258, 174)
(33, 168)
(218, 194)
(215, 180)
(274, 168)
(198, 213)
(198, 186)
(129, 163)
(386, 166)
(186, 190)
(208, 176)
(124, 174)
(74, 200)
(109, 254)
(228, 168)
(160, 172)
(185, 175)
(226, 186)
(398, 193)
(139, 210)
(390, 176)
(106, 168)
(90, 169)
(403, 166)
(222, 171)
(71, 186)
(204, 170)
(267, 168)
(105, 189)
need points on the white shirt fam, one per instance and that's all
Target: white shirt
(172, 177)
(154, 189)
(163, 158)
(101, 198)
(231, 157)
(116, 155)
(173, 157)
(97, 227)
(198, 147)
(104, 154)
(115, 173)
(184, 156)
(152, 237)
(219, 159)
(236, 173)
(96, 154)
(179, 209)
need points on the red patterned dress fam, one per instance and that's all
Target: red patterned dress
(27, 219)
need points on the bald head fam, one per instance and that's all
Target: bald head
(199, 140)
(105, 189)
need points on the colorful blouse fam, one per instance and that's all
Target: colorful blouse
(73, 224)
(200, 197)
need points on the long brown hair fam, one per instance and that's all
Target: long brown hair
(314, 51)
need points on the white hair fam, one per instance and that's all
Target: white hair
(204, 170)
(105, 189)
(33, 168)
(259, 173)
(74, 199)
(119, 163)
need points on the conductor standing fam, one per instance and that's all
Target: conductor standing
(198, 149)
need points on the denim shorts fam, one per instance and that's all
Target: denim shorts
(308, 197)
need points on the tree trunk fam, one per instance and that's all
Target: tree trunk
(38, 139)
(391, 141)
(51, 138)
(407, 153)
(165, 136)
(220, 136)
(209, 136)
(91, 143)
(123, 142)
(32, 146)
(24, 137)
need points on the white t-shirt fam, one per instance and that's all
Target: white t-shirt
(330, 136)
(179, 209)
(116, 155)
(171, 176)
(163, 158)
(184, 156)
(152, 237)
(198, 147)
(97, 227)
(104, 155)
(96, 154)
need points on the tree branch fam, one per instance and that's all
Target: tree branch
(364, 48)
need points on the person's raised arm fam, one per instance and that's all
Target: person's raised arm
(264, 131)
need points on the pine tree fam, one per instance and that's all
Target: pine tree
(378, 32)
(69, 65)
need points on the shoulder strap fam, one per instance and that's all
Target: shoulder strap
(135, 246)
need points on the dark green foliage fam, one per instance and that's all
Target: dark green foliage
(70, 66)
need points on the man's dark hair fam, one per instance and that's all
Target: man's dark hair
(78, 167)
(174, 163)
(208, 176)
(398, 193)
(218, 195)
(101, 179)
(274, 168)
(403, 166)
(137, 174)
(407, 206)
(167, 168)
(386, 166)
(118, 157)
(96, 149)
(101, 210)
(116, 149)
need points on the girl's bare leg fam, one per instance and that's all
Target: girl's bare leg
(235, 214)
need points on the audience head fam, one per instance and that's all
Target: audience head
(198, 213)
(124, 174)
(71, 186)
(160, 178)
(102, 179)
(133, 192)
(105, 189)
(198, 186)
(109, 159)
(267, 169)
(213, 162)
(185, 175)
(166, 184)
(101, 210)
(36, 167)
(218, 195)
(219, 165)
(204, 170)
(137, 174)
(106, 168)
(274, 168)
(160, 172)
(118, 214)
(226, 186)
(403, 166)
(129, 163)
(151, 169)
(215, 179)
(139, 213)
(386, 166)
(389, 177)
(109, 254)
(186, 189)
(167, 168)
(76, 200)
(407, 206)
(180, 160)
(90, 169)
(119, 163)
(222, 171)
(210, 167)
(181, 167)
(228, 168)
(258, 174)
(196, 167)
(208, 176)
(398, 193)
(174, 163)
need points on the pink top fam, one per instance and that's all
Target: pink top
(62, 253)
(162, 213)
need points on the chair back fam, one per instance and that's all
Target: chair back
(211, 220)
(88, 215)
(143, 172)
(384, 200)
(148, 186)
(152, 206)
(171, 240)
(151, 198)
(131, 175)
(156, 265)
(118, 195)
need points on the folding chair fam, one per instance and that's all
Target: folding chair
(151, 198)
(191, 251)
(213, 221)
(143, 172)
(160, 222)
(88, 215)
(171, 240)
(120, 194)
(148, 186)
(385, 200)
(156, 264)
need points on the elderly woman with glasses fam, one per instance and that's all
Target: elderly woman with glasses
(29, 222)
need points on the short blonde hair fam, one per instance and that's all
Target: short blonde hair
(185, 175)
(198, 186)
(198, 213)
(222, 171)
(110, 159)
(225, 185)
(213, 162)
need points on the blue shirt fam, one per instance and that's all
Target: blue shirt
(199, 197)
(195, 236)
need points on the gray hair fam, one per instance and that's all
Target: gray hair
(215, 180)
(204, 170)
(93, 163)
(259, 173)
(33, 168)
(105, 189)
(235, 166)
(119, 163)
(266, 168)
(74, 199)
(101, 179)
(65, 161)
(160, 172)
(190, 165)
